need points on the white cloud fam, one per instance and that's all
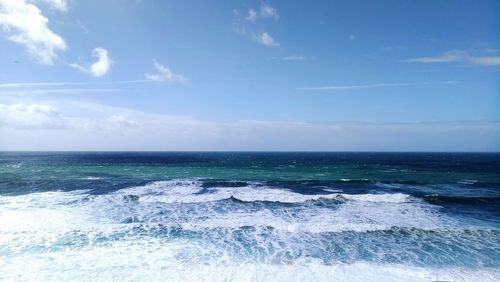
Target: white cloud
(353, 87)
(486, 61)
(100, 127)
(294, 58)
(244, 24)
(446, 57)
(239, 28)
(265, 11)
(25, 24)
(58, 5)
(124, 121)
(31, 116)
(46, 88)
(164, 74)
(98, 68)
(31, 85)
(458, 56)
(47, 91)
(375, 85)
(266, 39)
(252, 15)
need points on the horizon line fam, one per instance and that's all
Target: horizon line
(238, 151)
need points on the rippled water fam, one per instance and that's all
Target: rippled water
(249, 216)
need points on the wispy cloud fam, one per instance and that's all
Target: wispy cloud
(82, 26)
(446, 57)
(251, 15)
(67, 125)
(32, 84)
(265, 11)
(486, 60)
(353, 87)
(266, 39)
(100, 67)
(25, 24)
(458, 56)
(47, 91)
(47, 88)
(123, 121)
(58, 5)
(55, 84)
(31, 116)
(244, 24)
(164, 74)
(367, 86)
(294, 58)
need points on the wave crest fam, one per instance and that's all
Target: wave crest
(193, 192)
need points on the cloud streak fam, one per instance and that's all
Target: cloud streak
(369, 86)
(29, 92)
(294, 58)
(354, 87)
(55, 84)
(164, 73)
(458, 56)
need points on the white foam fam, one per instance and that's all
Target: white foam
(380, 198)
(350, 216)
(40, 199)
(174, 191)
(33, 226)
(16, 165)
(349, 180)
(191, 192)
(360, 213)
(41, 219)
(332, 190)
(92, 178)
(46, 219)
(467, 181)
(154, 260)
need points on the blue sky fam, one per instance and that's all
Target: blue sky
(250, 75)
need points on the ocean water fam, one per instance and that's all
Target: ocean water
(249, 217)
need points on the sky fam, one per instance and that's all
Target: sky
(164, 75)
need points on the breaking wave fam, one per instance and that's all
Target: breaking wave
(188, 229)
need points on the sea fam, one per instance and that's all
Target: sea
(241, 216)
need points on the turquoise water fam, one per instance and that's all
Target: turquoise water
(249, 216)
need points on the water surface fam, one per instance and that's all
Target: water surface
(249, 216)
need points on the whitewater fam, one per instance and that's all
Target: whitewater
(81, 220)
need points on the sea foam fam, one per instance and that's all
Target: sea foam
(191, 192)
(180, 230)
(154, 260)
